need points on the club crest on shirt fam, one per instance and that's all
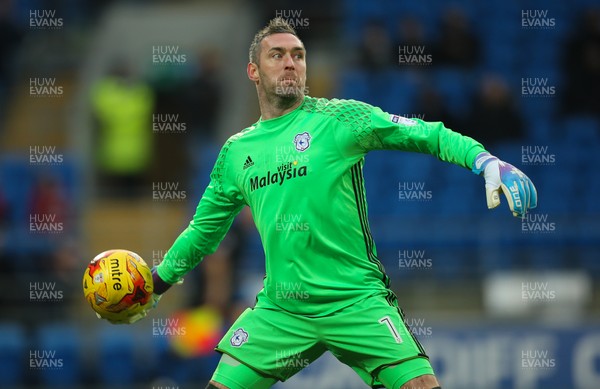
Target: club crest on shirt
(402, 120)
(239, 337)
(302, 141)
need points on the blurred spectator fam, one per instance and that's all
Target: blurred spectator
(582, 66)
(432, 107)
(312, 19)
(122, 106)
(457, 46)
(493, 117)
(410, 41)
(202, 96)
(10, 36)
(375, 52)
(48, 198)
(410, 32)
(191, 94)
(5, 260)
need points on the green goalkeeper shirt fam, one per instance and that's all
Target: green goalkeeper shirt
(301, 175)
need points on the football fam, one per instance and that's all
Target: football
(118, 284)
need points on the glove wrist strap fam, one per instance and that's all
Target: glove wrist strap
(160, 286)
(481, 161)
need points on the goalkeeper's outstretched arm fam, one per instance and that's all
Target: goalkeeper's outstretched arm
(394, 132)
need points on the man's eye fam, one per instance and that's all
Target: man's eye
(276, 55)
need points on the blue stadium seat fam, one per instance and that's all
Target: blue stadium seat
(17, 179)
(509, 151)
(534, 108)
(456, 87)
(354, 85)
(116, 345)
(540, 129)
(357, 13)
(365, 9)
(543, 51)
(557, 189)
(500, 57)
(451, 262)
(399, 92)
(544, 256)
(498, 237)
(591, 200)
(460, 196)
(582, 131)
(59, 346)
(424, 11)
(589, 254)
(13, 351)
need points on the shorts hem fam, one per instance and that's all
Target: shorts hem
(264, 373)
(226, 381)
(422, 367)
(414, 374)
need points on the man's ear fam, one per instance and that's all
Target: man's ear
(252, 70)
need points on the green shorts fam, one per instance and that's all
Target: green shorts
(367, 336)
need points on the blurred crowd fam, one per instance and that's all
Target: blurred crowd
(41, 214)
(494, 112)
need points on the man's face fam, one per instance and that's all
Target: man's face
(281, 71)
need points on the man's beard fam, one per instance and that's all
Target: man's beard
(284, 96)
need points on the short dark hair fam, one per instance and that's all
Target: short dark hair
(276, 25)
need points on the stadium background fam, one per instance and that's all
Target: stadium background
(497, 301)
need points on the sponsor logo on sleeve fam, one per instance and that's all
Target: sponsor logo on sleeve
(402, 120)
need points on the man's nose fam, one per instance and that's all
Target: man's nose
(288, 62)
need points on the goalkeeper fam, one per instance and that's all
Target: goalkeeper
(299, 169)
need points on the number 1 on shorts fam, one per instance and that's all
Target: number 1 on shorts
(390, 325)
